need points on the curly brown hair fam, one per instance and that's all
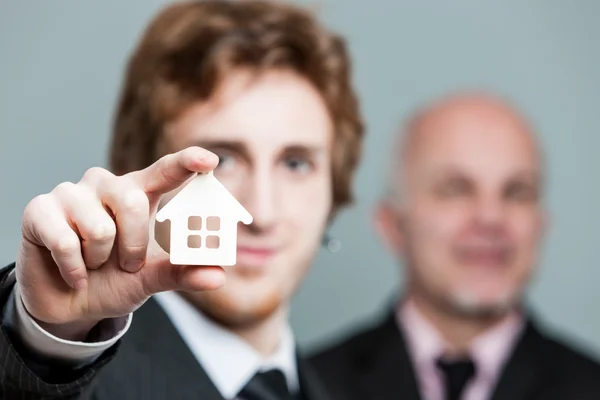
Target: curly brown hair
(189, 48)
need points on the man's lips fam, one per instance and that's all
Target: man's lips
(484, 256)
(252, 256)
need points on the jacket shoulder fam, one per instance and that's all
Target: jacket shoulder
(350, 347)
(574, 357)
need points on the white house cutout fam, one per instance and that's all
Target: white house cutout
(204, 218)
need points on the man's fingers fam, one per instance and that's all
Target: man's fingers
(45, 224)
(93, 223)
(160, 275)
(172, 170)
(130, 207)
(186, 278)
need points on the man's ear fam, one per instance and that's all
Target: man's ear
(387, 223)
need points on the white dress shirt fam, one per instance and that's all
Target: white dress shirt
(229, 361)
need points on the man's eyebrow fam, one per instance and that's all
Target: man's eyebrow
(307, 149)
(234, 145)
(240, 147)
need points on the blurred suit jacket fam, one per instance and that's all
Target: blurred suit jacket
(150, 362)
(374, 364)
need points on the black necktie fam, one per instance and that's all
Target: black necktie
(268, 385)
(456, 375)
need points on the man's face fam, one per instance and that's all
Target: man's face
(472, 220)
(273, 136)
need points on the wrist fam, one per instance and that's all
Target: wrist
(76, 331)
(73, 331)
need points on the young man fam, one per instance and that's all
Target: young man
(465, 213)
(258, 92)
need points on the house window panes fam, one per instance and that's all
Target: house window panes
(212, 242)
(213, 224)
(203, 232)
(194, 223)
(194, 241)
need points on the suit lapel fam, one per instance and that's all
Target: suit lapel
(170, 369)
(386, 366)
(311, 387)
(524, 371)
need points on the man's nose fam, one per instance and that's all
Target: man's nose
(259, 198)
(490, 210)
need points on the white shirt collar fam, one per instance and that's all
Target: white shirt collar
(228, 360)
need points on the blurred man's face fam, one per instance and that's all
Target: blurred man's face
(471, 222)
(273, 136)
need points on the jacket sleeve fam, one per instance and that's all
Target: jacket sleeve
(26, 374)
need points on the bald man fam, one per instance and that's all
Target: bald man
(465, 214)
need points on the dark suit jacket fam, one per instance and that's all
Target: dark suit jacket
(374, 364)
(150, 362)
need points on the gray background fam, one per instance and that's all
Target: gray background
(60, 68)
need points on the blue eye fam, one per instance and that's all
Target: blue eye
(226, 161)
(298, 164)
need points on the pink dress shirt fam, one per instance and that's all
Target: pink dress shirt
(489, 352)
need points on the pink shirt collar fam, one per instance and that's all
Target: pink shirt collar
(489, 351)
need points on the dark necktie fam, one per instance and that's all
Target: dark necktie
(268, 385)
(456, 375)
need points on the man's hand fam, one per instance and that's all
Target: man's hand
(88, 250)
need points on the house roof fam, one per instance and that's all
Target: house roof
(204, 194)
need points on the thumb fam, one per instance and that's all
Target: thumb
(159, 275)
